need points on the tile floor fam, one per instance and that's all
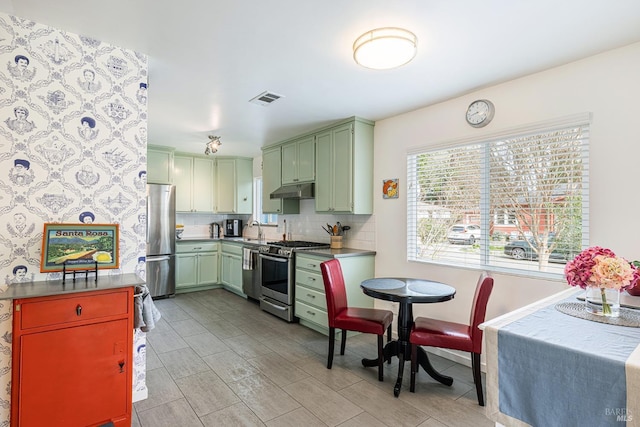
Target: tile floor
(216, 359)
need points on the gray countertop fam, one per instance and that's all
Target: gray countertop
(328, 253)
(56, 287)
(225, 240)
(337, 253)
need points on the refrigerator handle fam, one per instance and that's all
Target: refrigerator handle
(153, 258)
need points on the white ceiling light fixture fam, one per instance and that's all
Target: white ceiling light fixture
(212, 145)
(385, 48)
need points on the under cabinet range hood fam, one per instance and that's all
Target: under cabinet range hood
(294, 191)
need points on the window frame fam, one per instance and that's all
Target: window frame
(484, 262)
(268, 220)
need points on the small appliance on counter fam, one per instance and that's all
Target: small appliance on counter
(214, 230)
(233, 227)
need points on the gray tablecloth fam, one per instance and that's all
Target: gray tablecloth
(547, 368)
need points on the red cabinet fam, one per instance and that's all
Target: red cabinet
(72, 359)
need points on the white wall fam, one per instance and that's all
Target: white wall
(607, 85)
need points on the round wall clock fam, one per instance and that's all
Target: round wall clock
(480, 113)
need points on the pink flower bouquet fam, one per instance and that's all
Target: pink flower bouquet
(601, 268)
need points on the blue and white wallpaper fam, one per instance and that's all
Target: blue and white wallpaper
(73, 141)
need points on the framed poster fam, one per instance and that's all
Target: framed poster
(390, 188)
(79, 247)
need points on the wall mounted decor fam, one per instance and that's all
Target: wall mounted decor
(79, 246)
(390, 188)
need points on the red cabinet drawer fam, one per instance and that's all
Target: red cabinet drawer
(34, 313)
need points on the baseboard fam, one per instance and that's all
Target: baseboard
(200, 288)
(139, 395)
(455, 356)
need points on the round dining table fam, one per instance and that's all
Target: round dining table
(407, 292)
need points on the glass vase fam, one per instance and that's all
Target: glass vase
(603, 301)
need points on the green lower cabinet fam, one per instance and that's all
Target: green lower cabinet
(208, 267)
(196, 271)
(310, 299)
(231, 268)
(186, 271)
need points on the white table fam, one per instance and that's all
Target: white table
(587, 334)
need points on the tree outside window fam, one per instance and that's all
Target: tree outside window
(531, 188)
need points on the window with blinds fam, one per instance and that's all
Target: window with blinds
(263, 218)
(514, 201)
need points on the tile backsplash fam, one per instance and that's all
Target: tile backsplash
(307, 225)
(196, 225)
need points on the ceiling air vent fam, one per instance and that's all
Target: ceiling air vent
(265, 98)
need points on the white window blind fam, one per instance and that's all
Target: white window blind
(517, 201)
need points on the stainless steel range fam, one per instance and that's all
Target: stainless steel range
(277, 271)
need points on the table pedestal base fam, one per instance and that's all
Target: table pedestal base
(402, 351)
(402, 347)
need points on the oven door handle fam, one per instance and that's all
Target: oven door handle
(270, 258)
(276, 306)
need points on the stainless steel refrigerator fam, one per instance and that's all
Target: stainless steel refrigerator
(161, 240)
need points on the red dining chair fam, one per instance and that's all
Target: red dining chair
(455, 336)
(365, 320)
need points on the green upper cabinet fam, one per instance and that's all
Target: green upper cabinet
(183, 180)
(194, 181)
(271, 181)
(344, 168)
(159, 165)
(203, 178)
(234, 189)
(298, 161)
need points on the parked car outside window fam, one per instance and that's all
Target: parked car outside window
(523, 249)
(516, 235)
(464, 233)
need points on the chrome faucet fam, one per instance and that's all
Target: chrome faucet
(256, 222)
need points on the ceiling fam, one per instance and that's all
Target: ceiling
(208, 58)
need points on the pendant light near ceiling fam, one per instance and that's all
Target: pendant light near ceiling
(385, 48)
(213, 145)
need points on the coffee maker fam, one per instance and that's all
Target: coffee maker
(233, 228)
(214, 230)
